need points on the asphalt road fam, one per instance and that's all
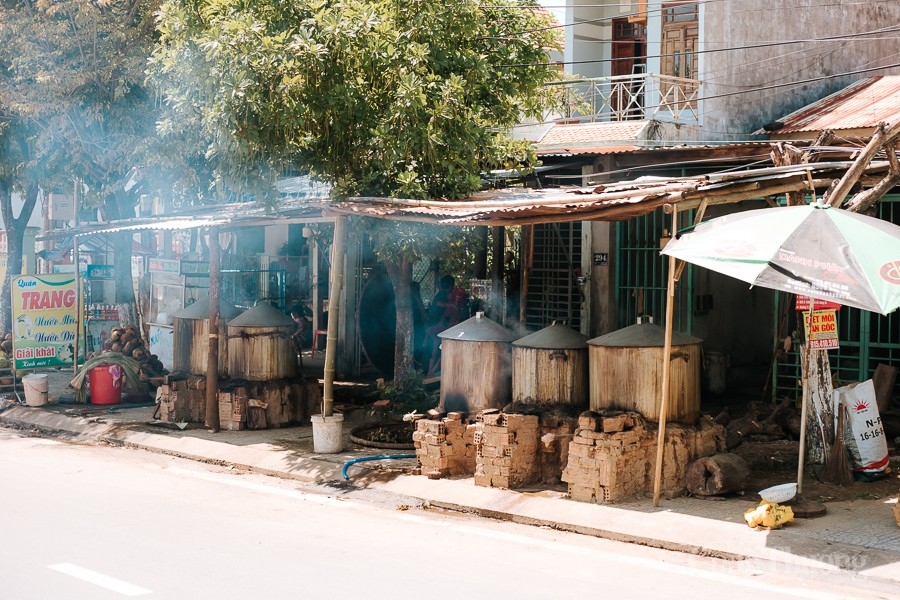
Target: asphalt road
(85, 522)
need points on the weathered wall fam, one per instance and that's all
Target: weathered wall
(738, 84)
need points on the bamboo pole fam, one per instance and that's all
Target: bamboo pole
(882, 136)
(212, 361)
(334, 308)
(667, 350)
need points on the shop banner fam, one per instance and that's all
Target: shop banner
(821, 329)
(44, 312)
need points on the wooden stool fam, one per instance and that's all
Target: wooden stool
(315, 341)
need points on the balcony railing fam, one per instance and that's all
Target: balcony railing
(632, 97)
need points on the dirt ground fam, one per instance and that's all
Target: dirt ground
(774, 463)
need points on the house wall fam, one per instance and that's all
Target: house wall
(738, 84)
(588, 39)
(748, 77)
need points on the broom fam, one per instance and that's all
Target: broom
(837, 467)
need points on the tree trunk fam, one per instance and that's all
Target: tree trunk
(820, 416)
(122, 249)
(15, 236)
(400, 272)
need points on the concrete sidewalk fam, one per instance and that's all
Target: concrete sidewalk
(859, 536)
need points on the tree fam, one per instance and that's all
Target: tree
(72, 80)
(378, 98)
(14, 177)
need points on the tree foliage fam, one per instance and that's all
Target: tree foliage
(374, 97)
(378, 98)
(72, 80)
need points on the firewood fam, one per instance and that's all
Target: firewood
(717, 475)
(739, 429)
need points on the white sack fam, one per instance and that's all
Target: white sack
(863, 431)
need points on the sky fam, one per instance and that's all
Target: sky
(557, 7)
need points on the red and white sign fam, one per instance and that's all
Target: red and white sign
(803, 304)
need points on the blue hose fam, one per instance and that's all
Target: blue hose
(366, 458)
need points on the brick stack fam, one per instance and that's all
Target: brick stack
(182, 401)
(605, 466)
(283, 402)
(612, 457)
(553, 451)
(507, 448)
(446, 446)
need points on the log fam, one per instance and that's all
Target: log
(738, 429)
(256, 417)
(717, 475)
(884, 378)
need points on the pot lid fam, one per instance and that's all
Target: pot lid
(554, 337)
(200, 310)
(643, 334)
(478, 329)
(262, 315)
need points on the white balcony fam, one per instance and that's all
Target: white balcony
(637, 97)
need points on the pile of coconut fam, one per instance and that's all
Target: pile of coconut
(126, 341)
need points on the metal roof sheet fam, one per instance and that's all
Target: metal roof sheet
(861, 105)
(592, 138)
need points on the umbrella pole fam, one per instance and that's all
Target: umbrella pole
(667, 351)
(804, 401)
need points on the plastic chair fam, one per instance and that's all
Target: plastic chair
(315, 341)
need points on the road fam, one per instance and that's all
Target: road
(98, 522)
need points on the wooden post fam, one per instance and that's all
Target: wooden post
(527, 259)
(81, 324)
(334, 308)
(667, 360)
(212, 363)
(497, 273)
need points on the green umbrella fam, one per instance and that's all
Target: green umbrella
(815, 250)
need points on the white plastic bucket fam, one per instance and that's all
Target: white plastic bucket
(328, 433)
(35, 389)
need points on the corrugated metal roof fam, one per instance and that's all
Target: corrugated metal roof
(592, 138)
(587, 150)
(862, 105)
(607, 202)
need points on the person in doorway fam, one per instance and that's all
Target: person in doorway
(444, 312)
(301, 313)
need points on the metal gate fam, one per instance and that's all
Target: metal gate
(641, 275)
(553, 290)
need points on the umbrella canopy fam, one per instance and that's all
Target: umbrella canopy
(815, 251)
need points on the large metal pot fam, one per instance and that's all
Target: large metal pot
(260, 346)
(475, 365)
(550, 367)
(626, 373)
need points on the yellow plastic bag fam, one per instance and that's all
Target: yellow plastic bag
(769, 514)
